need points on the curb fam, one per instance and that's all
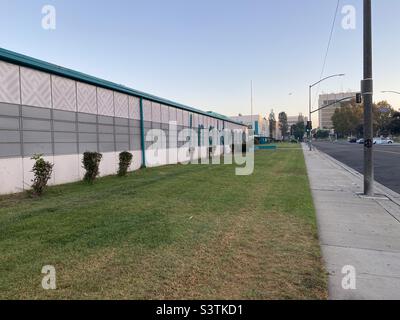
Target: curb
(392, 195)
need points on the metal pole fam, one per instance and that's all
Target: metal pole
(367, 90)
(309, 119)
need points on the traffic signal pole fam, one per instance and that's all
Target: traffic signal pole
(367, 91)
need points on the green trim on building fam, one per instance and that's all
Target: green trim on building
(26, 61)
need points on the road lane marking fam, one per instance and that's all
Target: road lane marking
(387, 151)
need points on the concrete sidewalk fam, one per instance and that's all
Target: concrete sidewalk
(354, 230)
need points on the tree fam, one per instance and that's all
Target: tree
(298, 130)
(383, 115)
(283, 124)
(272, 124)
(349, 120)
(322, 134)
(394, 125)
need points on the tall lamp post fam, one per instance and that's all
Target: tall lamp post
(367, 92)
(396, 92)
(310, 103)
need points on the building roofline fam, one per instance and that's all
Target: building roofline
(26, 61)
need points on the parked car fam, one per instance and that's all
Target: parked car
(360, 141)
(352, 140)
(383, 141)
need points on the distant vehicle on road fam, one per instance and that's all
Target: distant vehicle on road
(352, 140)
(383, 141)
(360, 141)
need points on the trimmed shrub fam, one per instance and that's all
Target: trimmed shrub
(91, 162)
(125, 160)
(42, 171)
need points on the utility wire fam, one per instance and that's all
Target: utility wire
(328, 47)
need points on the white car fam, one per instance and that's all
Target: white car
(383, 141)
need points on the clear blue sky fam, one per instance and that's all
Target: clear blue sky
(205, 52)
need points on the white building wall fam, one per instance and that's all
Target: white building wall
(80, 121)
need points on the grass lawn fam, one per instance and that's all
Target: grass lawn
(177, 232)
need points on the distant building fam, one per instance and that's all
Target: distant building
(325, 115)
(295, 119)
(256, 122)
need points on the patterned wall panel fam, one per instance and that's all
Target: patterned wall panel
(186, 121)
(172, 114)
(64, 93)
(9, 83)
(121, 105)
(146, 110)
(179, 117)
(87, 101)
(36, 89)
(134, 108)
(156, 112)
(164, 114)
(195, 123)
(105, 102)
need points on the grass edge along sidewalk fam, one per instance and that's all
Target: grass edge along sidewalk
(175, 232)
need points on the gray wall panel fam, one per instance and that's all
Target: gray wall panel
(121, 130)
(106, 137)
(65, 137)
(106, 129)
(122, 146)
(121, 122)
(10, 150)
(9, 123)
(106, 147)
(65, 148)
(9, 109)
(106, 120)
(84, 117)
(88, 137)
(89, 128)
(33, 112)
(29, 124)
(122, 138)
(64, 126)
(10, 136)
(37, 148)
(37, 136)
(83, 147)
(64, 115)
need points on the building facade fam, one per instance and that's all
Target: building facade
(325, 115)
(60, 113)
(256, 122)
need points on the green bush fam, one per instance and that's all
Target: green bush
(42, 171)
(91, 162)
(125, 160)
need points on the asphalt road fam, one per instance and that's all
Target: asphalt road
(387, 160)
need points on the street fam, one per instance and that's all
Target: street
(387, 160)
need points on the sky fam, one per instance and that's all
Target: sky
(205, 53)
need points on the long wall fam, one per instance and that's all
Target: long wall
(61, 118)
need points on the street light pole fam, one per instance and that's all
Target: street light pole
(309, 102)
(396, 92)
(367, 91)
(309, 117)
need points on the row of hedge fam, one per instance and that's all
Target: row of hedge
(43, 170)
